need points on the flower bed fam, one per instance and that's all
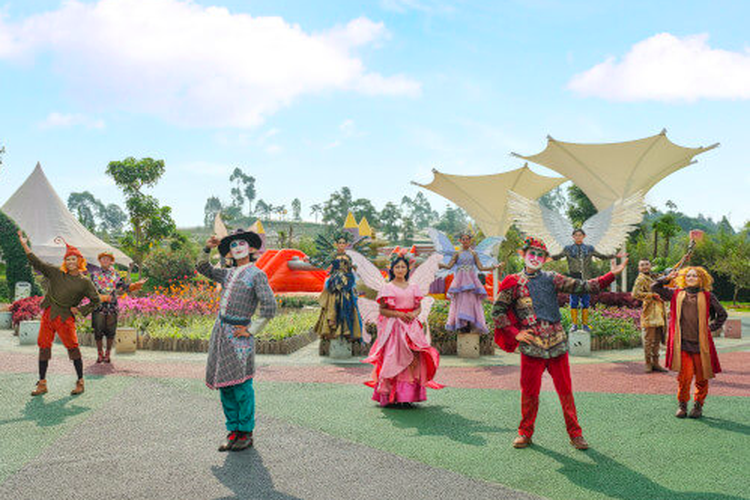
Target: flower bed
(25, 309)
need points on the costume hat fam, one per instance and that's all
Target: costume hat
(240, 234)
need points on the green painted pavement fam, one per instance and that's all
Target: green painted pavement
(639, 450)
(28, 425)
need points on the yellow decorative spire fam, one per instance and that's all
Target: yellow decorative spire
(257, 227)
(350, 223)
(364, 228)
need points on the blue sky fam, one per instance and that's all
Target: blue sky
(310, 96)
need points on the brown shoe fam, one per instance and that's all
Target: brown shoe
(660, 369)
(41, 388)
(78, 388)
(648, 369)
(681, 410)
(697, 411)
(579, 443)
(521, 441)
(229, 443)
(244, 440)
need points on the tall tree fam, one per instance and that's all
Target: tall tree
(362, 207)
(408, 229)
(297, 209)
(734, 259)
(112, 219)
(149, 222)
(580, 207)
(421, 211)
(316, 210)
(243, 190)
(337, 207)
(213, 206)
(389, 219)
(667, 227)
(555, 200)
(452, 221)
(263, 209)
(86, 208)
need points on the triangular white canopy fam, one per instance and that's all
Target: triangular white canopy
(36, 208)
(484, 197)
(613, 171)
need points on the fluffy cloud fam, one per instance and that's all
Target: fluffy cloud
(669, 68)
(62, 120)
(195, 65)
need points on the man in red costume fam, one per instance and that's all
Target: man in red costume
(527, 316)
(66, 288)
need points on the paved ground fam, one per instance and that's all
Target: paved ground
(147, 428)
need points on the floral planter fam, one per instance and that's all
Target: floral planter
(6, 320)
(126, 340)
(579, 343)
(609, 344)
(467, 345)
(733, 329)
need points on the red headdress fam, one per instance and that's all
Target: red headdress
(71, 250)
(531, 242)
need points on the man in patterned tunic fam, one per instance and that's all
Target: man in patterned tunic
(527, 316)
(231, 353)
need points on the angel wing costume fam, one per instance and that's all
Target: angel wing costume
(404, 362)
(466, 292)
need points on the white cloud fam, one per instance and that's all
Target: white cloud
(63, 120)
(665, 67)
(195, 65)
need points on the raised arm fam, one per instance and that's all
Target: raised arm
(479, 265)
(659, 286)
(204, 265)
(450, 264)
(38, 264)
(642, 291)
(566, 284)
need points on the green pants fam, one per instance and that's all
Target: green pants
(238, 402)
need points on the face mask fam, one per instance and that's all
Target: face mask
(533, 260)
(239, 249)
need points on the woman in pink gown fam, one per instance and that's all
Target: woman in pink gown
(405, 363)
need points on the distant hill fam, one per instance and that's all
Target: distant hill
(299, 229)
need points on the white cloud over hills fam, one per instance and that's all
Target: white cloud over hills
(665, 67)
(195, 65)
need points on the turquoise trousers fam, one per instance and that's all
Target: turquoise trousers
(238, 402)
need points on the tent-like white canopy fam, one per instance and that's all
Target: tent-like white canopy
(38, 210)
(614, 171)
(484, 197)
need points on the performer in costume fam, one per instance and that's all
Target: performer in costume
(110, 285)
(695, 313)
(606, 231)
(231, 353)
(580, 266)
(527, 316)
(339, 313)
(653, 316)
(466, 292)
(66, 288)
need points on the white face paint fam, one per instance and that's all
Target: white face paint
(534, 259)
(239, 249)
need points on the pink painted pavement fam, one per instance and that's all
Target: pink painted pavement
(622, 377)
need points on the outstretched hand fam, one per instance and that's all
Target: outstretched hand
(618, 268)
(213, 242)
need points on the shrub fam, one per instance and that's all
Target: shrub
(164, 266)
(26, 309)
(612, 299)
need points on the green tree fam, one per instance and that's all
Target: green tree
(389, 221)
(336, 208)
(580, 207)
(667, 227)
(452, 221)
(85, 207)
(212, 207)
(555, 200)
(149, 222)
(734, 259)
(263, 209)
(362, 207)
(407, 231)
(243, 190)
(316, 210)
(112, 219)
(297, 209)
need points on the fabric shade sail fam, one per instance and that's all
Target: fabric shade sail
(37, 209)
(613, 171)
(484, 197)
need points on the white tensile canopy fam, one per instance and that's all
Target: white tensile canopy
(484, 197)
(37, 209)
(614, 171)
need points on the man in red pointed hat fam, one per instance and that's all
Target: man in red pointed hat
(66, 288)
(527, 317)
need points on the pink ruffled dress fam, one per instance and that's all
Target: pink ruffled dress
(466, 295)
(405, 363)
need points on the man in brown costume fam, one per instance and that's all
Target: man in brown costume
(653, 316)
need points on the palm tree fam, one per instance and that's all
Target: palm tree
(316, 210)
(667, 226)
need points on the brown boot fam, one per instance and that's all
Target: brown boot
(659, 368)
(648, 369)
(579, 443)
(681, 410)
(697, 411)
(521, 441)
(229, 443)
(41, 388)
(78, 388)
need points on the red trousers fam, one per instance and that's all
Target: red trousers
(66, 330)
(690, 367)
(531, 382)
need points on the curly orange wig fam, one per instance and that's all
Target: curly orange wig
(82, 265)
(705, 280)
